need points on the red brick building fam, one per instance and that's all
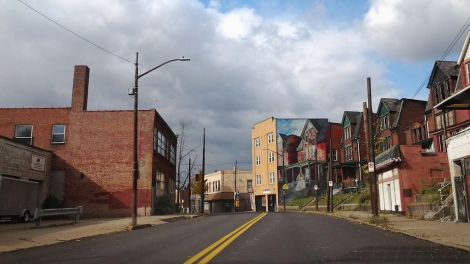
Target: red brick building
(92, 152)
(402, 168)
(353, 148)
(442, 124)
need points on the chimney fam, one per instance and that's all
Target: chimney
(80, 88)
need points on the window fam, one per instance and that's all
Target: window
(468, 73)
(161, 144)
(441, 143)
(58, 134)
(258, 160)
(160, 181)
(171, 185)
(270, 138)
(439, 123)
(249, 186)
(347, 132)
(270, 157)
(257, 143)
(172, 154)
(155, 139)
(348, 152)
(258, 179)
(384, 122)
(334, 154)
(24, 134)
(449, 120)
(272, 178)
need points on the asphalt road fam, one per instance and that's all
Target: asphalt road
(275, 238)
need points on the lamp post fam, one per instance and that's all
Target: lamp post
(135, 93)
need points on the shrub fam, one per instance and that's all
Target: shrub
(164, 205)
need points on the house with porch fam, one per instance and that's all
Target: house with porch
(352, 148)
(458, 145)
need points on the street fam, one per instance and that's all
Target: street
(270, 238)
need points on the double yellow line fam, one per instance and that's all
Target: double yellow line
(211, 251)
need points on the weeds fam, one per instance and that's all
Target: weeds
(379, 220)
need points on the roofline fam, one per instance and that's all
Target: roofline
(29, 146)
(259, 122)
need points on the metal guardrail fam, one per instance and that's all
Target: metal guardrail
(40, 213)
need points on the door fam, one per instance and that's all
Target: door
(467, 185)
(389, 190)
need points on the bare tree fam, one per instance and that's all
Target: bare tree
(182, 153)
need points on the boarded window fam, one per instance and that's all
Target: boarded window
(436, 173)
(407, 193)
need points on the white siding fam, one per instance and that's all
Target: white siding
(389, 190)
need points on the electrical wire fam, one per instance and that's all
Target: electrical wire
(446, 52)
(76, 34)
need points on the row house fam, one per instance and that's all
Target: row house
(353, 148)
(442, 124)
(292, 153)
(92, 152)
(457, 102)
(403, 168)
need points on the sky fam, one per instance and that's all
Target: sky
(250, 60)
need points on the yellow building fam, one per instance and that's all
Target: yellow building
(265, 171)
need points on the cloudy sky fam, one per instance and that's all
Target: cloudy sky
(250, 60)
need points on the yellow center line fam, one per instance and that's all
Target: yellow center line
(234, 234)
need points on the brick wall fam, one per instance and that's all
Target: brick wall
(97, 154)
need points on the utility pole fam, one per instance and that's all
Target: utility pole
(317, 196)
(189, 185)
(330, 174)
(135, 167)
(284, 176)
(371, 154)
(329, 192)
(203, 169)
(235, 186)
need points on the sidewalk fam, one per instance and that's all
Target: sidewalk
(21, 236)
(446, 233)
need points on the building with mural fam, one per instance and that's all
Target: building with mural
(292, 152)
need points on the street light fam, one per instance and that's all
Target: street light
(135, 93)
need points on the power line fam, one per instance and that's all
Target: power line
(446, 52)
(76, 34)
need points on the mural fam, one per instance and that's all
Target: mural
(299, 142)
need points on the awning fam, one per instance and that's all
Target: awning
(459, 100)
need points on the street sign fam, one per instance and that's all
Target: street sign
(370, 165)
(285, 187)
(330, 183)
(315, 187)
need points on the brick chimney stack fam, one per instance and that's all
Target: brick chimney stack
(80, 88)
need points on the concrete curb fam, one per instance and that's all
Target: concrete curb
(394, 230)
(25, 238)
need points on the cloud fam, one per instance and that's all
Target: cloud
(238, 23)
(417, 30)
(244, 68)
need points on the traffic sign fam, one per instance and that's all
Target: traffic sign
(370, 166)
(285, 187)
(315, 187)
(330, 183)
